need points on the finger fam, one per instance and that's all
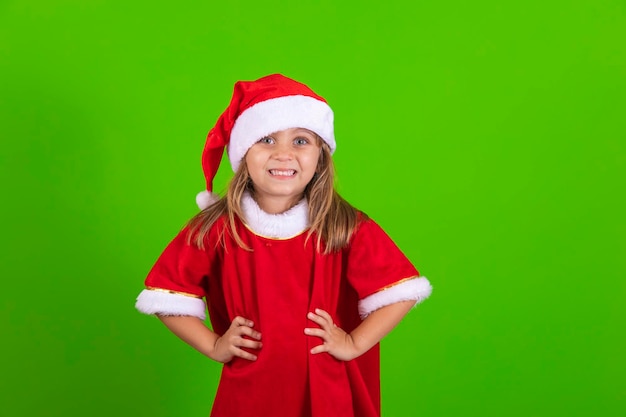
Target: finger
(247, 343)
(324, 314)
(240, 353)
(240, 321)
(317, 319)
(245, 330)
(319, 349)
(325, 323)
(235, 339)
(316, 332)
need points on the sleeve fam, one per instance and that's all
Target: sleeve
(175, 284)
(380, 273)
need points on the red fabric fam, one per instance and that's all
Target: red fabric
(275, 285)
(245, 95)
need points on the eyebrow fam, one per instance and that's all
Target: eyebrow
(304, 129)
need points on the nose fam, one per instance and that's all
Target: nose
(283, 152)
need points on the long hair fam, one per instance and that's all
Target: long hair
(331, 218)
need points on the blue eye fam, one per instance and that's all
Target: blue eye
(266, 139)
(301, 141)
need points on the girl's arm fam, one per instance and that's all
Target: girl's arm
(347, 346)
(221, 349)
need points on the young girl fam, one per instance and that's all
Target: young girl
(300, 286)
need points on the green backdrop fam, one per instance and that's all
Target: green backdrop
(486, 137)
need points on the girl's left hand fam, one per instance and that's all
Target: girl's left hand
(337, 343)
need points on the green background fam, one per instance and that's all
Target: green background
(486, 137)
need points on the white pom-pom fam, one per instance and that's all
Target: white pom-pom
(205, 198)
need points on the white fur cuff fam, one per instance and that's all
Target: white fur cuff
(167, 304)
(417, 289)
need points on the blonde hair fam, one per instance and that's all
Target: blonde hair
(331, 218)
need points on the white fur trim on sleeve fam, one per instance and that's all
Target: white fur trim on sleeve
(417, 289)
(167, 304)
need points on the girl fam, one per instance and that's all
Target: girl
(300, 286)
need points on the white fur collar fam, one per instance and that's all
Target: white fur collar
(276, 226)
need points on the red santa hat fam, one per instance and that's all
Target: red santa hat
(257, 109)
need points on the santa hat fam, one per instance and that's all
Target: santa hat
(257, 109)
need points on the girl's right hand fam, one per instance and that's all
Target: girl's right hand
(230, 344)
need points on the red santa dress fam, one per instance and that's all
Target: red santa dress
(275, 284)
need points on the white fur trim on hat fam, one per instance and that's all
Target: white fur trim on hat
(276, 114)
(417, 289)
(205, 198)
(168, 304)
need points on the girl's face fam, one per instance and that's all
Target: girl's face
(280, 166)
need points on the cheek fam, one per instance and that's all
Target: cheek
(312, 160)
(253, 161)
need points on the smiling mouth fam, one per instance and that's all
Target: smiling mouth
(283, 172)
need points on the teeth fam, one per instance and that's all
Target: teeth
(288, 172)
